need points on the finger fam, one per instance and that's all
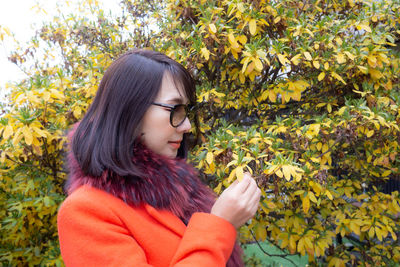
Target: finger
(251, 189)
(255, 200)
(244, 184)
(255, 208)
(256, 196)
(233, 185)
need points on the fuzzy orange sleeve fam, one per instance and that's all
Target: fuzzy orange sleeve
(208, 241)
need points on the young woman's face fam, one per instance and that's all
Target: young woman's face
(157, 132)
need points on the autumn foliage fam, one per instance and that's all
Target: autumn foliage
(303, 94)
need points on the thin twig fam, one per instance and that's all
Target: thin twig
(28, 165)
(272, 255)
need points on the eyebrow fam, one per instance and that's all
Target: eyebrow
(177, 100)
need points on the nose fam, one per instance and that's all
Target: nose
(185, 127)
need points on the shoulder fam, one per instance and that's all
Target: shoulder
(88, 202)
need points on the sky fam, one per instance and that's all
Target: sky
(20, 16)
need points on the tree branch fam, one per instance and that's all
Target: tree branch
(272, 255)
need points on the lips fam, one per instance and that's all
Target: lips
(175, 144)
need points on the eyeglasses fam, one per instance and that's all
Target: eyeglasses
(178, 114)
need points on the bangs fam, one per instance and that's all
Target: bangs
(183, 79)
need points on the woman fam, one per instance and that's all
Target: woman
(132, 198)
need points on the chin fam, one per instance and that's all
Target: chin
(173, 154)
(169, 154)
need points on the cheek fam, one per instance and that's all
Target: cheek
(156, 130)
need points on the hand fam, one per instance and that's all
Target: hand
(239, 202)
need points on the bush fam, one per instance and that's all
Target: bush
(303, 94)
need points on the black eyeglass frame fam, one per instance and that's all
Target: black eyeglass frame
(172, 108)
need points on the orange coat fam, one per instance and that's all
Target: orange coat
(98, 229)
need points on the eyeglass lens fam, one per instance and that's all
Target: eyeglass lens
(179, 115)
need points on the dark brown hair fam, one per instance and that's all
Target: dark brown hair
(105, 137)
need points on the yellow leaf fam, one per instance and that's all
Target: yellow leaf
(375, 74)
(319, 146)
(316, 160)
(325, 148)
(386, 173)
(339, 40)
(270, 205)
(27, 135)
(212, 28)
(282, 59)
(77, 112)
(253, 26)
(8, 131)
(17, 137)
(209, 157)
(286, 172)
(292, 244)
(218, 188)
(309, 243)
(258, 64)
(337, 77)
(379, 233)
(372, 61)
(370, 133)
(313, 130)
(279, 173)
(342, 110)
(321, 76)
(340, 58)
(56, 94)
(316, 64)
(300, 247)
(211, 168)
(328, 194)
(37, 150)
(285, 242)
(233, 41)
(317, 188)
(312, 197)
(362, 93)
(249, 68)
(239, 173)
(329, 108)
(32, 97)
(46, 96)
(296, 95)
(241, 8)
(272, 95)
(242, 78)
(306, 204)
(242, 39)
(308, 56)
(230, 132)
(39, 131)
(205, 53)
(296, 59)
(231, 175)
(363, 69)
(261, 232)
(350, 55)
(364, 27)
